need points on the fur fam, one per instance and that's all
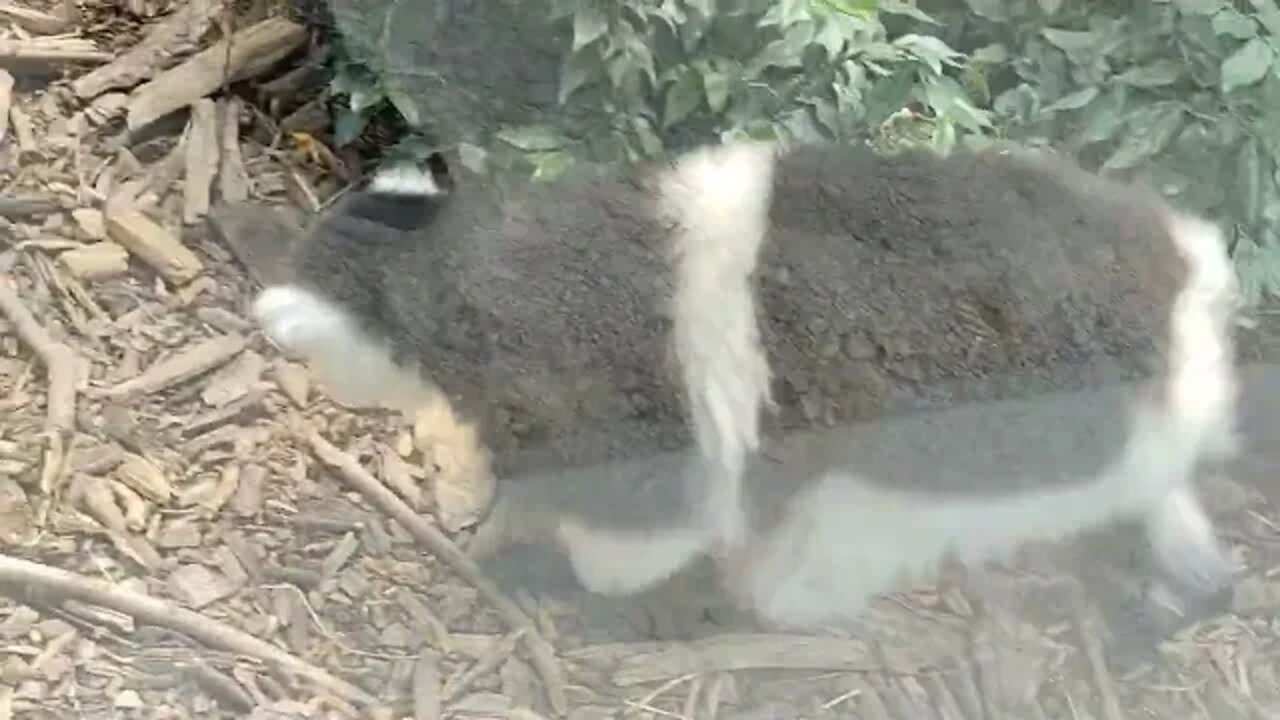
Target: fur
(686, 310)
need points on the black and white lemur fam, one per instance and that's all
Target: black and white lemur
(956, 353)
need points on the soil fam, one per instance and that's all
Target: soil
(190, 528)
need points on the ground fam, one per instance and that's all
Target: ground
(191, 529)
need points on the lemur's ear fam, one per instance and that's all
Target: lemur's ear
(439, 168)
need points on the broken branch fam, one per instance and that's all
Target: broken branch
(25, 575)
(247, 53)
(60, 365)
(51, 50)
(175, 36)
(541, 654)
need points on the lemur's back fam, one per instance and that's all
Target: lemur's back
(885, 283)
(909, 279)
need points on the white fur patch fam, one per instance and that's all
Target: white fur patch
(358, 370)
(844, 541)
(622, 563)
(720, 196)
(405, 180)
(1203, 390)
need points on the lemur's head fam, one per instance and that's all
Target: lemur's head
(403, 194)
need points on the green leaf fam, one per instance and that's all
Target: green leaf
(950, 101)
(534, 138)
(589, 24)
(785, 13)
(1235, 24)
(578, 71)
(1199, 7)
(1104, 115)
(1070, 41)
(932, 51)
(716, 85)
(364, 97)
(832, 38)
(407, 106)
(650, 143)
(994, 10)
(1247, 65)
(683, 97)
(856, 8)
(1050, 7)
(1157, 74)
(993, 54)
(1248, 182)
(549, 166)
(1268, 14)
(348, 126)
(1147, 133)
(907, 8)
(1072, 101)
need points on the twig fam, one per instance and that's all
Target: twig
(26, 576)
(1087, 627)
(165, 42)
(51, 50)
(253, 51)
(33, 20)
(541, 654)
(60, 365)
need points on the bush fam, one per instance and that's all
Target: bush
(1182, 93)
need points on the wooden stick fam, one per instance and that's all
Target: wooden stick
(50, 50)
(33, 20)
(24, 575)
(249, 52)
(541, 654)
(167, 41)
(59, 361)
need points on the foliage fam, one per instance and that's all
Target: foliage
(667, 74)
(1182, 93)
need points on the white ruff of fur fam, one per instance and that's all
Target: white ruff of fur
(720, 197)
(405, 180)
(623, 563)
(357, 370)
(845, 541)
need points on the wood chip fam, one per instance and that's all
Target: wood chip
(177, 35)
(427, 687)
(198, 586)
(6, 101)
(233, 179)
(192, 362)
(27, 54)
(145, 478)
(249, 496)
(23, 131)
(656, 662)
(152, 244)
(235, 380)
(252, 51)
(201, 161)
(91, 222)
(294, 381)
(93, 495)
(99, 261)
(33, 20)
